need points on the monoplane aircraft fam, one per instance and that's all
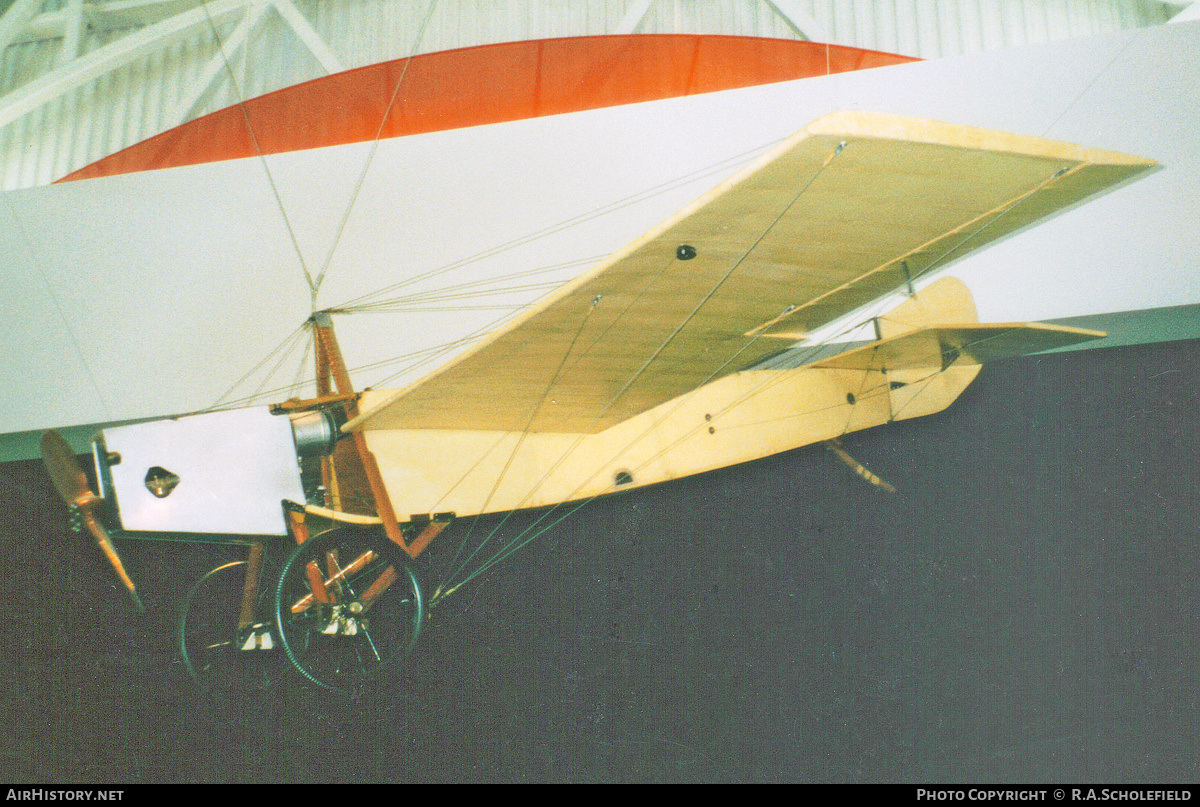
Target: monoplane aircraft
(716, 338)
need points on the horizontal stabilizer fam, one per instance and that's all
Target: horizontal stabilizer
(945, 345)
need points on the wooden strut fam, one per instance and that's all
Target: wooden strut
(300, 405)
(254, 564)
(320, 586)
(331, 365)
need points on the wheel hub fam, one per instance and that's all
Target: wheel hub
(257, 637)
(345, 620)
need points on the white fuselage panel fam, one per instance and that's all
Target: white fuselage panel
(234, 471)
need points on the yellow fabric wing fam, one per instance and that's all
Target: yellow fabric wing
(841, 212)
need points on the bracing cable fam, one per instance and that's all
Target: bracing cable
(523, 538)
(241, 104)
(640, 370)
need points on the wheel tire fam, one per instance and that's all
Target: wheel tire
(332, 645)
(209, 641)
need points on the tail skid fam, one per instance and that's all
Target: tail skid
(926, 363)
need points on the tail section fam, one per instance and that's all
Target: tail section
(932, 346)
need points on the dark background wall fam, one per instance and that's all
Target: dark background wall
(1025, 609)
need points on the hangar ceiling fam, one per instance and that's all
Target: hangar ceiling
(82, 79)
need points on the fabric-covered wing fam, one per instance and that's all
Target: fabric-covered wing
(969, 344)
(841, 212)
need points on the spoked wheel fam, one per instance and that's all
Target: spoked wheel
(225, 661)
(349, 609)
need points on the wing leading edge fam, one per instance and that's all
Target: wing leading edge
(847, 209)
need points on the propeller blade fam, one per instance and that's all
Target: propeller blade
(64, 470)
(71, 483)
(106, 546)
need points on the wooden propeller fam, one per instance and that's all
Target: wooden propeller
(69, 480)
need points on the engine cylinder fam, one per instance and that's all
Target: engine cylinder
(315, 432)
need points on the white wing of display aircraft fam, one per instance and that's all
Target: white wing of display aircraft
(155, 293)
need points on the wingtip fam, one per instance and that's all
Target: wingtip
(887, 125)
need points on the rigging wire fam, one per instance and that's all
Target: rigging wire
(1137, 34)
(517, 543)
(337, 238)
(1005, 210)
(471, 285)
(298, 342)
(450, 309)
(528, 425)
(445, 349)
(284, 345)
(403, 303)
(865, 394)
(767, 382)
(469, 294)
(357, 305)
(654, 355)
(313, 284)
(416, 358)
(241, 104)
(524, 537)
(298, 380)
(861, 318)
(654, 278)
(657, 190)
